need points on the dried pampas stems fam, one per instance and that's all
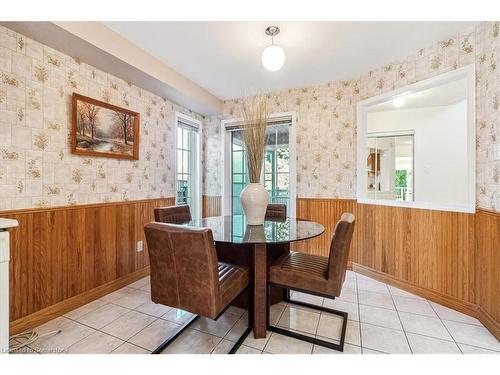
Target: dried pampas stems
(254, 113)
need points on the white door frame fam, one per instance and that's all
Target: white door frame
(226, 162)
(198, 189)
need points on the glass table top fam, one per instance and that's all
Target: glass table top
(235, 230)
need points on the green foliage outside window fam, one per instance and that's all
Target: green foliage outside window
(401, 176)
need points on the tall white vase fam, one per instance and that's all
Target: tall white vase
(254, 198)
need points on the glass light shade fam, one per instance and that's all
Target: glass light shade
(398, 102)
(273, 58)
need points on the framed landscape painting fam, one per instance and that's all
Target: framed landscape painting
(103, 129)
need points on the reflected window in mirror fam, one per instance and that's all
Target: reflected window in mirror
(416, 145)
(389, 166)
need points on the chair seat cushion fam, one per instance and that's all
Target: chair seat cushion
(232, 281)
(302, 271)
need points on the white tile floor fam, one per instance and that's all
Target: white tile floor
(382, 319)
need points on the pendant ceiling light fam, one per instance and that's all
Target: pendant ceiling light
(273, 56)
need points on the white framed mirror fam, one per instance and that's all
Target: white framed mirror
(416, 145)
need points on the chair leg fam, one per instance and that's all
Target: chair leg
(286, 294)
(312, 340)
(172, 337)
(235, 347)
(242, 338)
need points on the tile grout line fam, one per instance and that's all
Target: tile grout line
(447, 330)
(220, 339)
(317, 325)
(229, 330)
(83, 338)
(116, 337)
(430, 303)
(86, 325)
(144, 329)
(359, 315)
(400, 322)
(277, 322)
(414, 313)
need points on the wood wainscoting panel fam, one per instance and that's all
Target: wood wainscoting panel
(53, 311)
(326, 212)
(429, 248)
(487, 275)
(59, 253)
(451, 258)
(211, 205)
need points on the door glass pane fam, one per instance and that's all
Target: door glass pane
(275, 176)
(186, 161)
(238, 161)
(179, 161)
(187, 167)
(277, 153)
(239, 176)
(185, 140)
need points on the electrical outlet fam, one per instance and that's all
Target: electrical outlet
(139, 247)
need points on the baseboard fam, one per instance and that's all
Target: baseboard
(489, 322)
(467, 308)
(34, 320)
(451, 302)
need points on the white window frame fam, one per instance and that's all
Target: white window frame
(197, 194)
(226, 162)
(467, 72)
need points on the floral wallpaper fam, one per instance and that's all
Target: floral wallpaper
(37, 168)
(326, 116)
(212, 156)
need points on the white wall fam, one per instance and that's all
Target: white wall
(440, 149)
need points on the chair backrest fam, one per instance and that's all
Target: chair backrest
(276, 211)
(339, 250)
(184, 268)
(173, 214)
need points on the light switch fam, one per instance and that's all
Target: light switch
(496, 151)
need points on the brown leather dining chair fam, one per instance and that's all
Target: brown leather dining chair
(173, 214)
(186, 274)
(313, 274)
(276, 211)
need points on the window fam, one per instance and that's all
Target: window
(188, 185)
(278, 171)
(416, 145)
(277, 165)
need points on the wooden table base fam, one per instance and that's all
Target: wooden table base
(259, 270)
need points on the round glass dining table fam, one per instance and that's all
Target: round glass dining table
(232, 231)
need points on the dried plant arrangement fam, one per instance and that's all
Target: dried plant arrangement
(255, 116)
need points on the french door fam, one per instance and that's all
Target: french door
(188, 181)
(278, 175)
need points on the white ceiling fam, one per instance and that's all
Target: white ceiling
(224, 57)
(442, 95)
